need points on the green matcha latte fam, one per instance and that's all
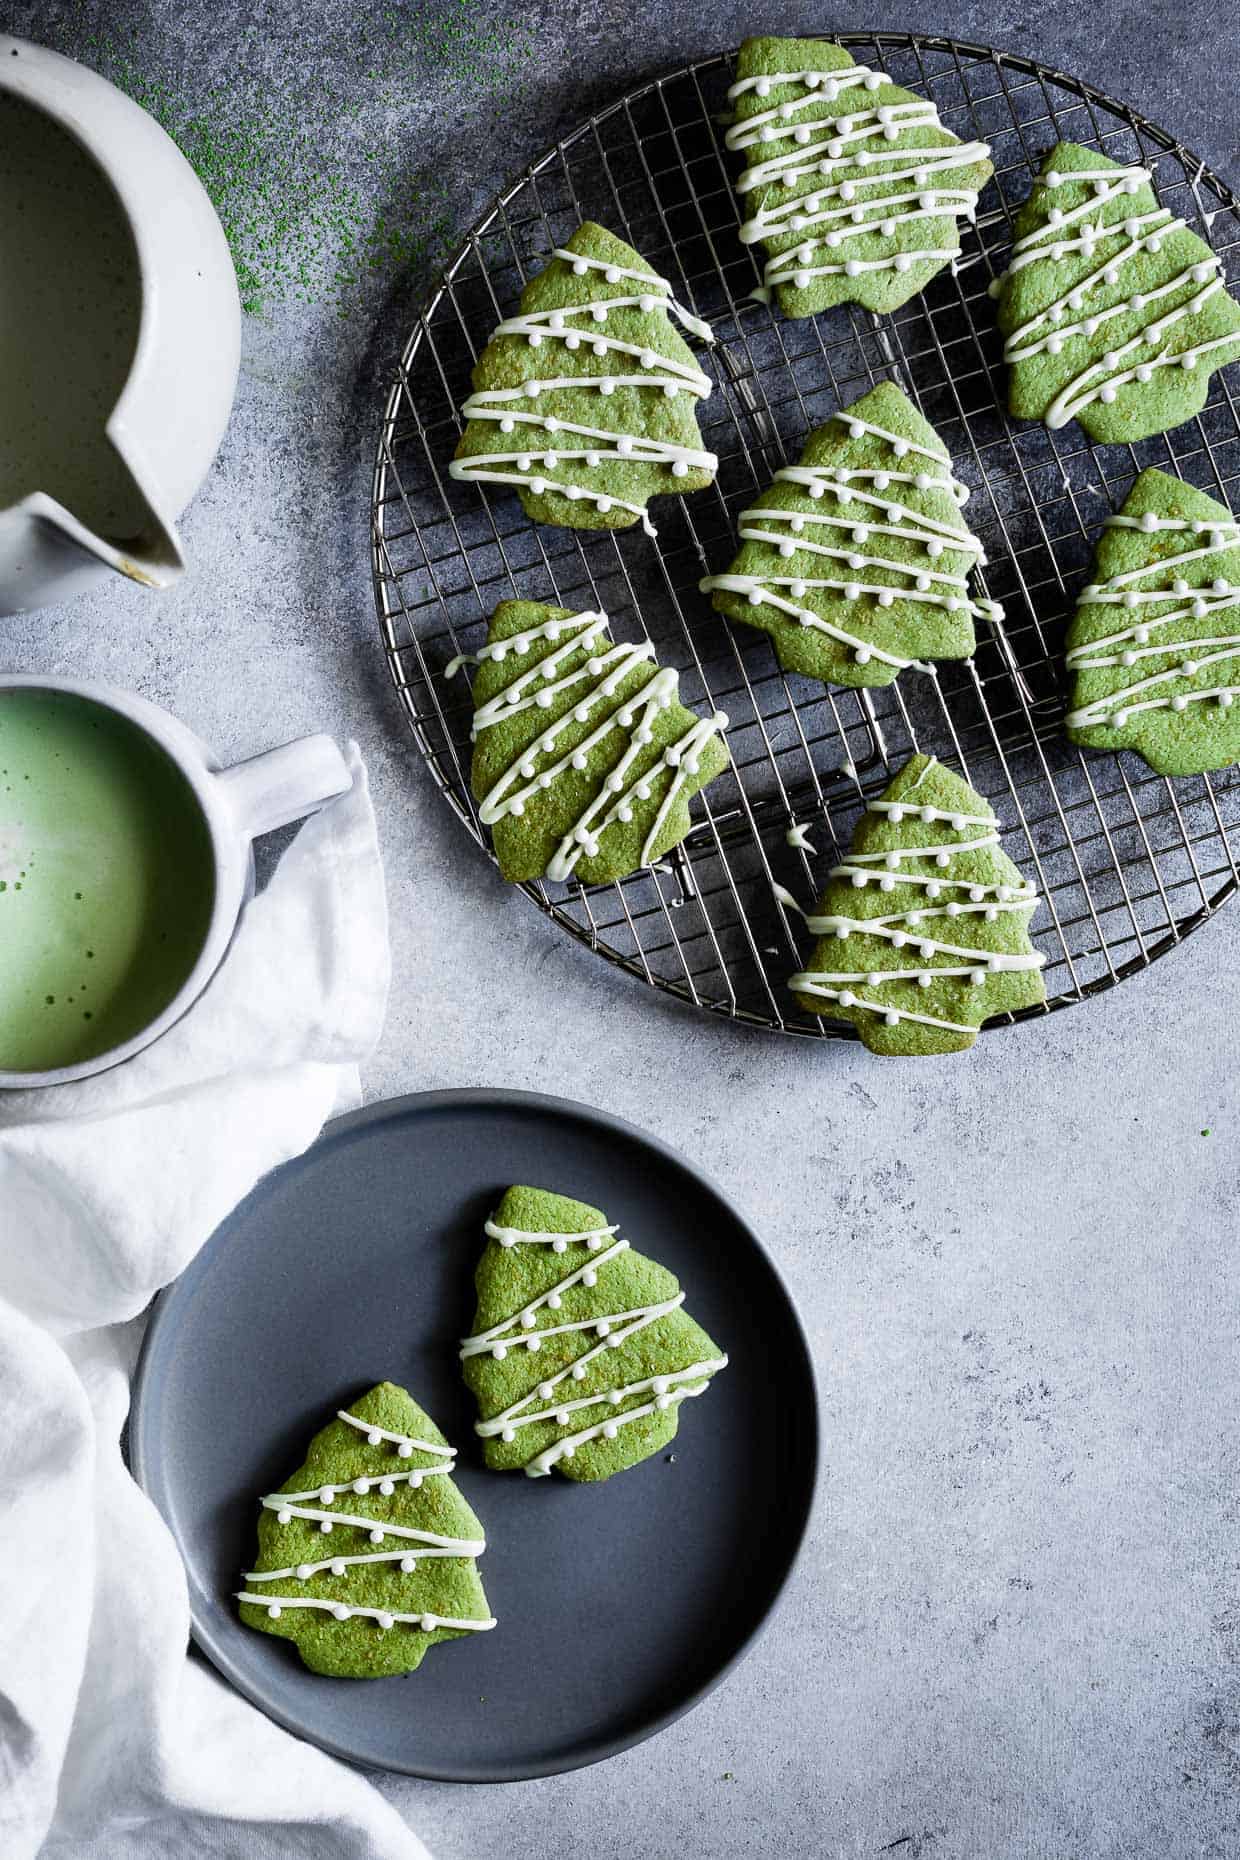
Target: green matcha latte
(106, 879)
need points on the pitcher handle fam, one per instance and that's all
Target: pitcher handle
(285, 784)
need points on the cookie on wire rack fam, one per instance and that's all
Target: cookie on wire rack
(582, 1354)
(585, 401)
(1114, 313)
(1153, 650)
(856, 561)
(924, 927)
(853, 188)
(366, 1554)
(584, 759)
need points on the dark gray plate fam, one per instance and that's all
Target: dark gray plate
(620, 1605)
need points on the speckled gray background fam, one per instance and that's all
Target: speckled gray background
(1016, 1631)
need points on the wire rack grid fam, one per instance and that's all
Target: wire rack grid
(1128, 862)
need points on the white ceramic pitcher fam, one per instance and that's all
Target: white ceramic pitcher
(120, 333)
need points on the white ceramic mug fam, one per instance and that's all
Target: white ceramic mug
(237, 805)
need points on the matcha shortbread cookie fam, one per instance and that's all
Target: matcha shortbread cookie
(924, 927)
(856, 561)
(1154, 646)
(582, 1354)
(1114, 313)
(366, 1554)
(586, 400)
(584, 760)
(854, 188)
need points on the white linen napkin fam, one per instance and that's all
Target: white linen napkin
(112, 1744)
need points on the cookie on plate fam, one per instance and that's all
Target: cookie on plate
(1114, 313)
(854, 188)
(856, 561)
(582, 1354)
(924, 928)
(366, 1553)
(586, 400)
(1154, 647)
(584, 759)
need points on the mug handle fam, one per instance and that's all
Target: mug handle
(285, 784)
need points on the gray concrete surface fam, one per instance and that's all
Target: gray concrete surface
(1016, 1630)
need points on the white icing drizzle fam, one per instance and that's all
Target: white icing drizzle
(581, 262)
(613, 1329)
(525, 1320)
(798, 836)
(507, 1423)
(348, 1611)
(847, 157)
(907, 928)
(564, 1449)
(1130, 644)
(593, 1237)
(584, 628)
(405, 1444)
(1130, 361)
(930, 535)
(379, 1528)
(387, 1482)
(539, 687)
(302, 1572)
(508, 406)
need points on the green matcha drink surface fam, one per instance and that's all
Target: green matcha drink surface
(106, 880)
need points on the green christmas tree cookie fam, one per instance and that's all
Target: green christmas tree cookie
(856, 561)
(854, 188)
(1154, 646)
(584, 761)
(586, 400)
(924, 928)
(1115, 314)
(366, 1554)
(582, 1354)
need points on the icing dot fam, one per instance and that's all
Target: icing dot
(429, 1623)
(1107, 393)
(328, 1494)
(579, 1372)
(847, 998)
(615, 1396)
(891, 1018)
(326, 1527)
(1179, 701)
(361, 1485)
(376, 1536)
(610, 1430)
(274, 1611)
(533, 1341)
(386, 1487)
(499, 1351)
(405, 1450)
(603, 1327)
(304, 1571)
(386, 1621)
(924, 979)
(508, 1433)
(284, 1515)
(554, 1301)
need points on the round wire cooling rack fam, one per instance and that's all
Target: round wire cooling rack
(1128, 862)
